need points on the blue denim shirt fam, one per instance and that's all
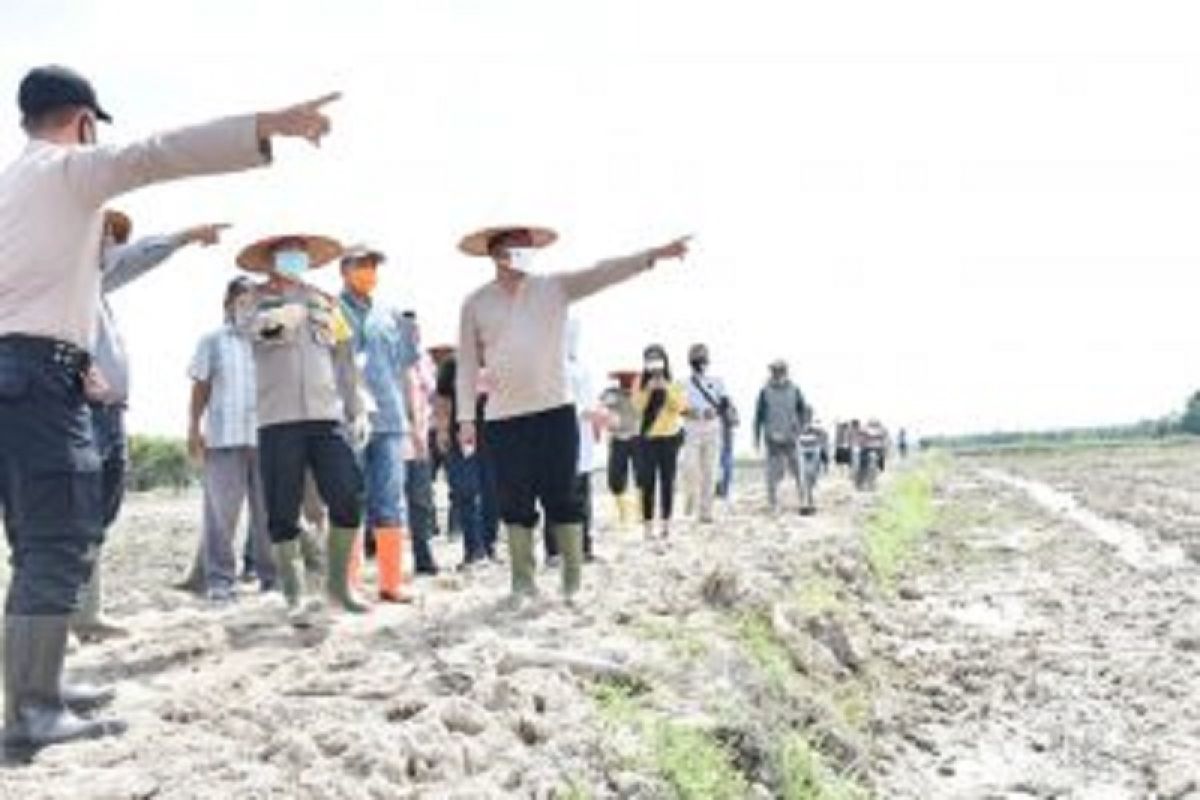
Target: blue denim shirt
(385, 347)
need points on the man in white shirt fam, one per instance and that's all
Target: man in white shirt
(516, 325)
(52, 199)
(223, 436)
(707, 404)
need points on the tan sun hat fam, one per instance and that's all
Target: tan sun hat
(625, 377)
(476, 244)
(119, 223)
(258, 257)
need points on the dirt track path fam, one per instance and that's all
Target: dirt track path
(1052, 653)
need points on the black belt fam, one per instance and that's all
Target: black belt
(59, 353)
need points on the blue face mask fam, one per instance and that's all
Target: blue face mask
(291, 263)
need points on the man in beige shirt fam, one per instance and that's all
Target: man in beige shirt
(308, 390)
(51, 216)
(516, 326)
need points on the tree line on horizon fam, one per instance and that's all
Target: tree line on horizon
(1186, 423)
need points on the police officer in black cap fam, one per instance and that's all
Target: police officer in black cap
(51, 217)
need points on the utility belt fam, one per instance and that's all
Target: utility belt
(54, 353)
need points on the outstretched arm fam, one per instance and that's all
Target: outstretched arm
(584, 283)
(125, 263)
(227, 145)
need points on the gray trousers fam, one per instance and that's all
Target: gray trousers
(231, 478)
(782, 457)
(700, 453)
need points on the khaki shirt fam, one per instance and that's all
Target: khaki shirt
(51, 216)
(303, 360)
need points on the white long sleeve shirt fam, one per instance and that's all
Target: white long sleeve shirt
(520, 337)
(51, 216)
(697, 424)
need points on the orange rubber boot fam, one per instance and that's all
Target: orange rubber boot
(389, 558)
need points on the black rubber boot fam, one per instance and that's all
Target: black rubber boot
(35, 711)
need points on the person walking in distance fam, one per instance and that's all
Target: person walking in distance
(623, 424)
(707, 405)
(661, 404)
(780, 417)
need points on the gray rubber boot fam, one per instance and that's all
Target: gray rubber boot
(521, 561)
(337, 579)
(287, 556)
(87, 624)
(313, 554)
(570, 544)
(35, 713)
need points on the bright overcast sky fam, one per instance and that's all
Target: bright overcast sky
(953, 215)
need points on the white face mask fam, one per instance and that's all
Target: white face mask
(521, 258)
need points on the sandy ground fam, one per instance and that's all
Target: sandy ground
(1020, 656)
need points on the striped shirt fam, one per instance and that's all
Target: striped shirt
(225, 360)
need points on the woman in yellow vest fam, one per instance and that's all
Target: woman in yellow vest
(660, 403)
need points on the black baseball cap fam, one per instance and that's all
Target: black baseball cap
(238, 287)
(51, 87)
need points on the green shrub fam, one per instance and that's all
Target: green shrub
(158, 462)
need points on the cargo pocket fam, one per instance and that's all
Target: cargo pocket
(14, 378)
(65, 504)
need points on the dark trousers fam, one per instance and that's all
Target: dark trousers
(108, 429)
(622, 462)
(659, 459)
(50, 478)
(535, 456)
(725, 481)
(422, 515)
(466, 495)
(285, 451)
(489, 505)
